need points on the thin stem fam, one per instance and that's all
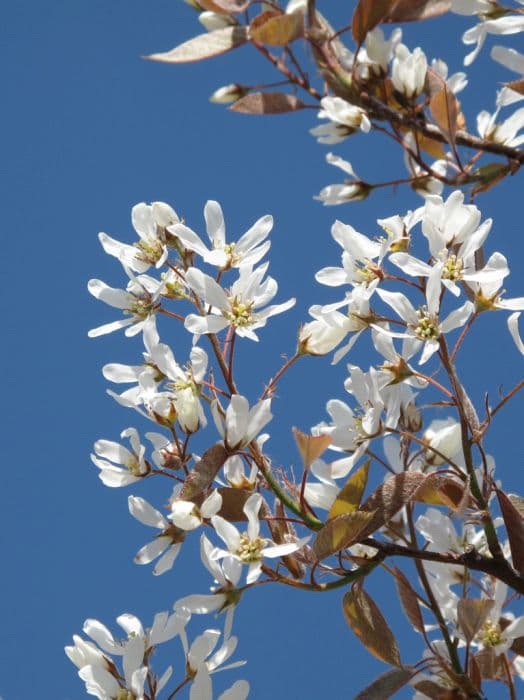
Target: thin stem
(361, 572)
(178, 688)
(280, 372)
(466, 328)
(453, 655)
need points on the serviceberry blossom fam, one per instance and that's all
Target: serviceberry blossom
(202, 660)
(186, 515)
(249, 548)
(133, 465)
(100, 674)
(506, 132)
(423, 325)
(247, 251)
(361, 259)
(240, 425)
(166, 545)
(408, 71)
(183, 385)
(139, 301)
(349, 191)
(240, 307)
(150, 222)
(344, 117)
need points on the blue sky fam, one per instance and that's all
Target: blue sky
(89, 130)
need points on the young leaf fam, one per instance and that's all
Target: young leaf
(280, 30)
(204, 46)
(393, 494)
(367, 622)
(472, 614)
(414, 10)
(445, 110)
(204, 472)
(311, 446)
(267, 103)
(233, 501)
(340, 533)
(348, 500)
(491, 667)
(515, 528)
(409, 600)
(386, 685)
(368, 14)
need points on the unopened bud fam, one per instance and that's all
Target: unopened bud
(411, 418)
(446, 438)
(318, 338)
(214, 20)
(229, 93)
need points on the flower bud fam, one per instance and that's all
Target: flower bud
(445, 437)
(411, 417)
(408, 72)
(214, 20)
(319, 338)
(228, 93)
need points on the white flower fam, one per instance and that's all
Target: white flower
(150, 222)
(166, 545)
(379, 51)
(202, 688)
(248, 250)
(183, 385)
(108, 454)
(249, 548)
(488, 293)
(508, 24)
(349, 191)
(344, 117)
(214, 20)
(241, 425)
(361, 259)
(322, 335)
(408, 71)
(513, 325)
(423, 326)
(139, 301)
(506, 132)
(188, 516)
(240, 307)
(444, 436)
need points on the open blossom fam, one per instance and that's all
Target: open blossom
(350, 191)
(150, 222)
(506, 132)
(240, 307)
(183, 385)
(249, 548)
(139, 302)
(248, 250)
(100, 674)
(108, 455)
(240, 425)
(188, 516)
(344, 117)
(203, 659)
(423, 325)
(507, 24)
(166, 545)
(361, 259)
